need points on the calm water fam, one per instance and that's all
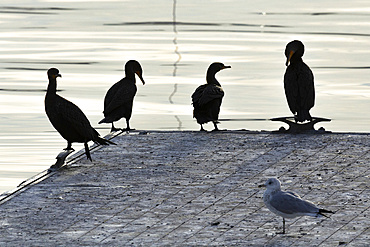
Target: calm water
(175, 41)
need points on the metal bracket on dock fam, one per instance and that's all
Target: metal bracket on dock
(295, 127)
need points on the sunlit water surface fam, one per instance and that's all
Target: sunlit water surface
(175, 41)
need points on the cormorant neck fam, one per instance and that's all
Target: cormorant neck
(130, 75)
(296, 60)
(211, 78)
(52, 87)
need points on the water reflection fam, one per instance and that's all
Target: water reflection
(179, 127)
(175, 43)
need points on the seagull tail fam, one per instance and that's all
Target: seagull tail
(322, 212)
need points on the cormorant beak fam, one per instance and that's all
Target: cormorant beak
(226, 67)
(57, 75)
(289, 57)
(140, 76)
(261, 185)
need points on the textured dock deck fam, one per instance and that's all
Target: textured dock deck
(196, 189)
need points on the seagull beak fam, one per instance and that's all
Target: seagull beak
(289, 57)
(140, 76)
(226, 67)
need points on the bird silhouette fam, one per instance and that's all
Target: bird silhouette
(298, 82)
(207, 98)
(68, 119)
(120, 97)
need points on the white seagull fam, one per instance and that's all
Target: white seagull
(288, 204)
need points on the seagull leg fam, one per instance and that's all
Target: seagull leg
(283, 232)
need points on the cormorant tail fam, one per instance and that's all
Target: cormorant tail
(303, 115)
(103, 141)
(102, 121)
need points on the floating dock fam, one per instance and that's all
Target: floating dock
(185, 188)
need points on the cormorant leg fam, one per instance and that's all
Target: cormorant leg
(87, 151)
(201, 128)
(283, 232)
(127, 126)
(69, 146)
(114, 128)
(215, 124)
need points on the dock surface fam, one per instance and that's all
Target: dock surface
(183, 188)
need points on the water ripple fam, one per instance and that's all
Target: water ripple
(179, 23)
(277, 32)
(25, 90)
(341, 67)
(312, 13)
(32, 11)
(55, 62)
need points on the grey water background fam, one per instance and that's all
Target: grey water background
(175, 41)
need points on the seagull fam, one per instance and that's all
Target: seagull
(288, 204)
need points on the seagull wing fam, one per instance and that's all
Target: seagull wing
(291, 204)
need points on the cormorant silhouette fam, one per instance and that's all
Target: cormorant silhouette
(298, 82)
(207, 98)
(120, 97)
(68, 119)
